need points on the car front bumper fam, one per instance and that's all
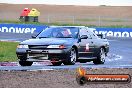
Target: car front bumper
(41, 55)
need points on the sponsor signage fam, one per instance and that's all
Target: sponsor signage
(21, 28)
(114, 32)
(30, 28)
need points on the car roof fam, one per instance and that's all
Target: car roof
(68, 26)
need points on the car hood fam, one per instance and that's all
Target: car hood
(50, 41)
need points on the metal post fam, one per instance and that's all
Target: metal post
(99, 24)
(73, 19)
(48, 19)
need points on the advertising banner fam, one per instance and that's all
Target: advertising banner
(114, 32)
(21, 28)
(30, 29)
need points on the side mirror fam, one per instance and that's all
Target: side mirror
(33, 36)
(84, 37)
(102, 36)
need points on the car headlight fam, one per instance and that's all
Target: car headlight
(22, 46)
(56, 46)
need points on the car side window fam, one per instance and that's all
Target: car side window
(84, 32)
(92, 34)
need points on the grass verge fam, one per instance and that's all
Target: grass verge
(8, 51)
(67, 24)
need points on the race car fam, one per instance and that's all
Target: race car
(63, 44)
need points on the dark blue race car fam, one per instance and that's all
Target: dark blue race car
(63, 44)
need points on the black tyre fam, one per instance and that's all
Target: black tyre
(25, 63)
(101, 57)
(83, 61)
(56, 63)
(71, 57)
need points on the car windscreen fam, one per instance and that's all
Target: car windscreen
(59, 32)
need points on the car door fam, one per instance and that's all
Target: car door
(86, 45)
(95, 41)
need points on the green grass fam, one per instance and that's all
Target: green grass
(8, 51)
(104, 20)
(68, 24)
(113, 20)
(87, 20)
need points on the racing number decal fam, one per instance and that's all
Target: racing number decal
(87, 47)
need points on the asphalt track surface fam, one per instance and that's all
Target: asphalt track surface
(118, 57)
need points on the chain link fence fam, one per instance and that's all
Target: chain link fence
(87, 20)
(84, 19)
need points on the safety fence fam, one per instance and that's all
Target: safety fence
(86, 19)
(83, 19)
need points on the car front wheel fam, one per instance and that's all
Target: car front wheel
(71, 57)
(25, 63)
(101, 57)
(56, 63)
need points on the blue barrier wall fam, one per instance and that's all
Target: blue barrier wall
(21, 28)
(114, 32)
(32, 29)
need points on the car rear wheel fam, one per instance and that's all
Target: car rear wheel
(56, 63)
(71, 57)
(101, 57)
(83, 61)
(25, 63)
